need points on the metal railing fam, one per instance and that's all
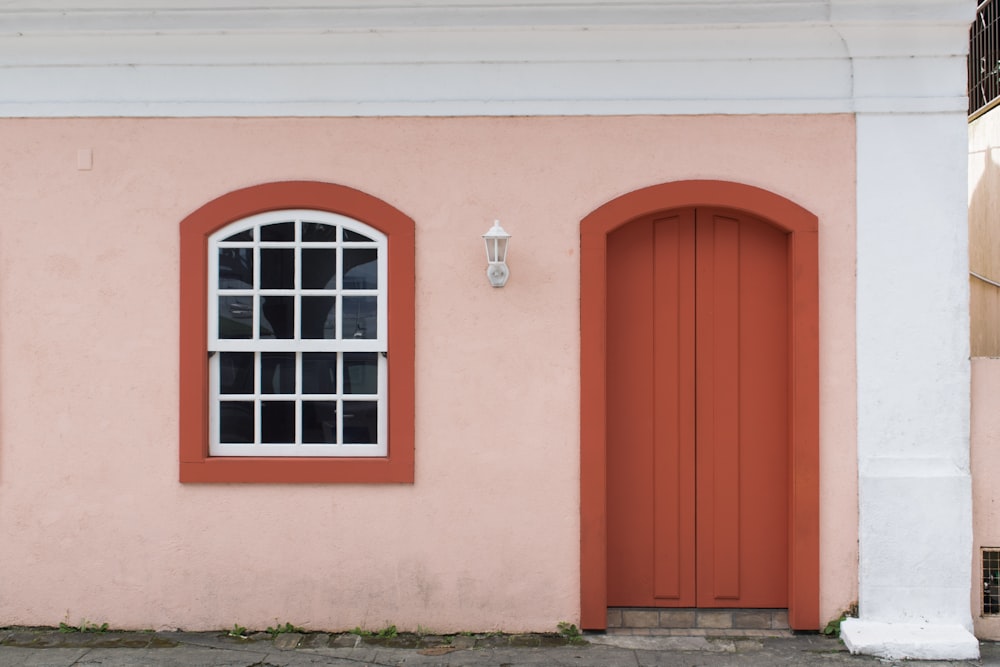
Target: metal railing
(984, 58)
(984, 279)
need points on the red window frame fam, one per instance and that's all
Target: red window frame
(195, 463)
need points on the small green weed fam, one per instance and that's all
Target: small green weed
(85, 626)
(388, 632)
(570, 632)
(238, 631)
(282, 629)
(832, 628)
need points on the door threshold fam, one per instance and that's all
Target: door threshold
(698, 622)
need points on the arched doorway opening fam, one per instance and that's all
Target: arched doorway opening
(695, 295)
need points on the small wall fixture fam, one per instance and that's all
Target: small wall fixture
(496, 254)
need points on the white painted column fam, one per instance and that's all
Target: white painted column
(915, 523)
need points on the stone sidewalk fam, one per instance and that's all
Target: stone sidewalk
(46, 647)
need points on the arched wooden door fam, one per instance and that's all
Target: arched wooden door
(699, 468)
(697, 411)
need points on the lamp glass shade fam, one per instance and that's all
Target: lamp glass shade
(496, 243)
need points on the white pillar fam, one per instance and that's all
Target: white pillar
(915, 522)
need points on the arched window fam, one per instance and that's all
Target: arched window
(296, 336)
(305, 352)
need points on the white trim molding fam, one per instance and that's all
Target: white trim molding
(480, 57)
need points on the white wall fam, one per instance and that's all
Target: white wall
(915, 521)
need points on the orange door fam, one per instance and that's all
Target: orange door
(697, 417)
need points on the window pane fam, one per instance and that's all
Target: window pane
(235, 317)
(319, 372)
(236, 372)
(354, 236)
(360, 372)
(236, 421)
(315, 232)
(286, 296)
(277, 372)
(360, 422)
(359, 317)
(277, 268)
(319, 316)
(277, 316)
(319, 422)
(235, 268)
(281, 231)
(360, 268)
(277, 421)
(241, 236)
(319, 268)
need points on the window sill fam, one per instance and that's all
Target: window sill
(297, 470)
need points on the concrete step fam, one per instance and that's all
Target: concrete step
(699, 622)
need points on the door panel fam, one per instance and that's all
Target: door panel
(697, 439)
(717, 390)
(650, 409)
(742, 420)
(673, 371)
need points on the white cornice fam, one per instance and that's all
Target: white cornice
(345, 16)
(155, 16)
(476, 57)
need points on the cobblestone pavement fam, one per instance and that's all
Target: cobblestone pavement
(46, 647)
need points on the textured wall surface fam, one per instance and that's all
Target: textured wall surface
(984, 234)
(913, 369)
(984, 259)
(985, 496)
(97, 526)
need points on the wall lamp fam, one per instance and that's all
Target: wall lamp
(496, 254)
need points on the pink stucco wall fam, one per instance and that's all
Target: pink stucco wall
(94, 522)
(985, 460)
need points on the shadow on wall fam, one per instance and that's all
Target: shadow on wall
(984, 251)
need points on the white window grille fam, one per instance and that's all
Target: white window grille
(297, 336)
